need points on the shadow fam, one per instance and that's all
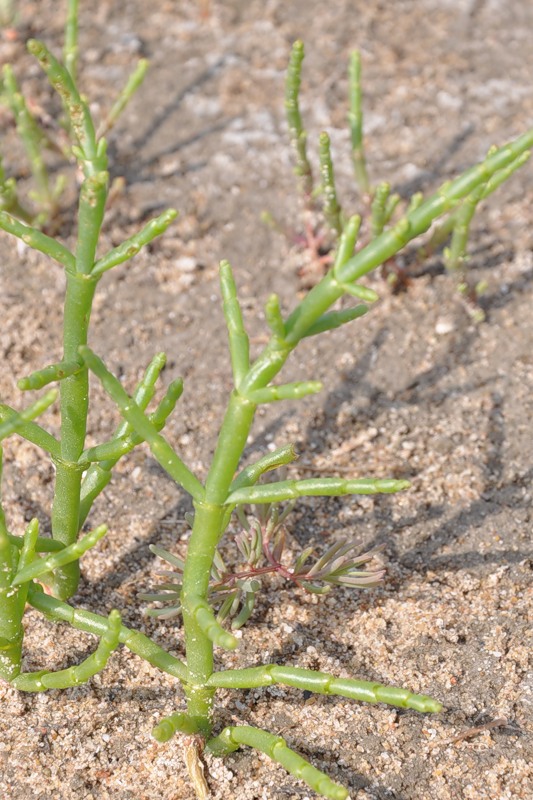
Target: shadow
(436, 170)
(142, 171)
(157, 120)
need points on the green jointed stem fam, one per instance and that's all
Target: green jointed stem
(73, 676)
(32, 432)
(161, 450)
(131, 246)
(323, 683)
(239, 343)
(89, 622)
(288, 391)
(209, 521)
(134, 81)
(32, 137)
(77, 108)
(65, 556)
(70, 50)
(297, 134)
(335, 319)
(98, 475)
(277, 749)
(74, 408)
(53, 372)
(314, 487)
(19, 421)
(165, 730)
(279, 458)
(332, 209)
(93, 197)
(455, 255)
(11, 630)
(355, 118)
(37, 240)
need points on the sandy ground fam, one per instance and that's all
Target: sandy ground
(414, 390)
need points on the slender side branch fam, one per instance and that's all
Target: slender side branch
(98, 475)
(160, 448)
(323, 683)
(38, 241)
(355, 118)
(134, 81)
(77, 109)
(73, 676)
(60, 559)
(335, 319)
(32, 432)
(42, 544)
(31, 137)
(332, 209)
(239, 343)
(277, 749)
(18, 421)
(53, 372)
(279, 458)
(131, 246)
(89, 622)
(314, 487)
(202, 613)
(289, 391)
(118, 446)
(70, 50)
(298, 136)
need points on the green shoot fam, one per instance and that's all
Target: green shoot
(332, 209)
(382, 203)
(297, 134)
(355, 118)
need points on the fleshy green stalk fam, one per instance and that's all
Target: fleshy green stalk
(332, 209)
(355, 118)
(276, 748)
(11, 630)
(70, 50)
(297, 134)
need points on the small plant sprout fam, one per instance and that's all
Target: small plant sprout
(381, 204)
(213, 597)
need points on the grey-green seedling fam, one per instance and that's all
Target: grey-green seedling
(261, 545)
(382, 204)
(211, 596)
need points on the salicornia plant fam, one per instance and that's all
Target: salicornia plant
(207, 592)
(382, 204)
